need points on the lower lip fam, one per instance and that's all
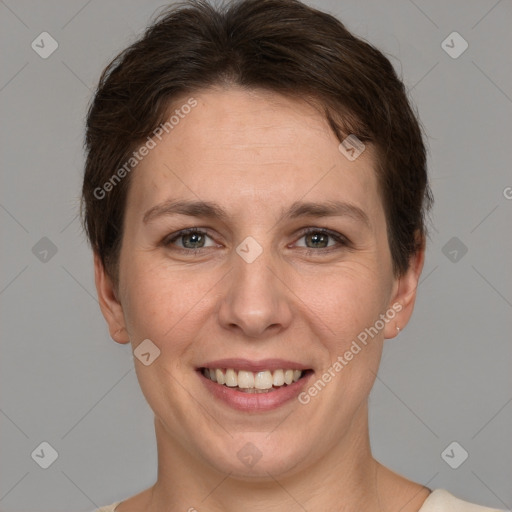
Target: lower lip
(255, 401)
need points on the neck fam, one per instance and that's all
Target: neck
(344, 479)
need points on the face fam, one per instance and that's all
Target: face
(288, 268)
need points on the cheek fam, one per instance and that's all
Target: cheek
(350, 303)
(346, 300)
(159, 302)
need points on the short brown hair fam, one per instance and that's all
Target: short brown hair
(283, 46)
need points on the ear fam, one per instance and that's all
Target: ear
(109, 303)
(404, 296)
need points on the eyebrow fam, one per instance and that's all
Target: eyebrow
(211, 210)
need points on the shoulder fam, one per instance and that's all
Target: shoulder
(438, 501)
(442, 501)
(109, 508)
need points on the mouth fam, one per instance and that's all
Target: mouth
(253, 386)
(265, 381)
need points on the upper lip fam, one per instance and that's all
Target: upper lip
(255, 366)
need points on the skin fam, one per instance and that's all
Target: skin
(254, 153)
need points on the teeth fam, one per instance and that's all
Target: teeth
(263, 380)
(251, 382)
(246, 380)
(278, 378)
(219, 377)
(231, 378)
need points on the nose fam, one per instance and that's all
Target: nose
(257, 299)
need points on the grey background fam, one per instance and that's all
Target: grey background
(64, 381)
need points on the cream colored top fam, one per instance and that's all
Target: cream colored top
(438, 501)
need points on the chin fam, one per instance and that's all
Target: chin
(256, 456)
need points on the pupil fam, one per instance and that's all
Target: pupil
(197, 236)
(319, 237)
(316, 239)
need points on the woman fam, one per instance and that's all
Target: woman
(255, 193)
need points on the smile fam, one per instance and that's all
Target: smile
(251, 386)
(252, 382)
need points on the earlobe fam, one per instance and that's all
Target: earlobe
(110, 304)
(405, 293)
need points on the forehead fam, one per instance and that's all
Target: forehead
(246, 147)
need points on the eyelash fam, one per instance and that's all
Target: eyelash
(340, 239)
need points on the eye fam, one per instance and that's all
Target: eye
(318, 238)
(318, 241)
(191, 239)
